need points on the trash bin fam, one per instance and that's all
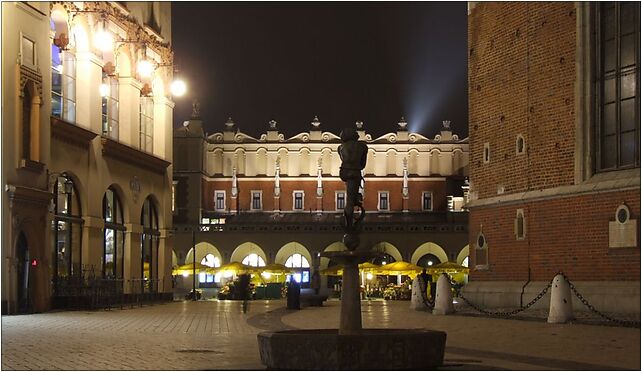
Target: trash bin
(294, 296)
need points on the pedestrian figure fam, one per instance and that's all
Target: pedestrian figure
(244, 291)
(425, 279)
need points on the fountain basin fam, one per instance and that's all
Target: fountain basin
(371, 349)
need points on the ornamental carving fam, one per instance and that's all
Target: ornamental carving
(27, 74)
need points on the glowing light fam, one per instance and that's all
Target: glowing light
(104, 90)
(103, 40)
(383, 262)
(369, 276)
(178, 88)
(228, 273)
(145, 68)
(185, 275)
(266, 275)
(429, 263)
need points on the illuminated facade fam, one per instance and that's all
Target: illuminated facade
(86, 149)
(281, 199)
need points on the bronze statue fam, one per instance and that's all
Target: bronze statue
(353, 154)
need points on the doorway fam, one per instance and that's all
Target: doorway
(23, 264)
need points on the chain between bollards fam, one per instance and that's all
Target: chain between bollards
(508, 313)
(630, 323)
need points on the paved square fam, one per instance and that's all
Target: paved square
(208, 335)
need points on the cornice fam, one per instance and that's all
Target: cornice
(134, 156)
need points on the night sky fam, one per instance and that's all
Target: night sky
(344, 62)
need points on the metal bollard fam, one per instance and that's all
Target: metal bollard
(561, 308)
(444, 297)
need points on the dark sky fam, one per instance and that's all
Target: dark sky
(344, 62)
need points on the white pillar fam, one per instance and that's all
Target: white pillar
(444, 297)
(416, 299)
(88, 100)
(561, 308)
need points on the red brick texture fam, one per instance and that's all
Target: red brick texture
(570, 234)
(394, 188)
(521, 81)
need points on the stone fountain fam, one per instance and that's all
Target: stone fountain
(352, 347)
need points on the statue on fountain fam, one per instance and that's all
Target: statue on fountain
(353, 154)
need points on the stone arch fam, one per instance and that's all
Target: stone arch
(413, 159)
(465, 252)
(387, 247)
(157, 205)
(391, 161)
(435, 167)
(326, 160)
(174, 258)
(370, 162)
(124, 201)
(261, 161)
(284, 164)
(458, 161)
(429, 248)
(216, 165)
(202, 250)
(289, 249)
(245, 249)
(239, 160)
(334, 247)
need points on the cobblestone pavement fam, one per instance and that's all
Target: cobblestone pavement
(208, 335)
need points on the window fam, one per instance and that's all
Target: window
(297, 261)
(341, 199)
(28, 52)
(383, 201)
(256, 200)
(617, 124)
(211, 261)
(519, 145)
(174, 183)
(147, 124)
(63, 84)
(253, 260)
(114, 236)
(149, 246)
(481, 252)
(426, 201)
(298, 200)
(66, 231)
(520, 225)
(26, 123)
(486, 152)
(219, 197)
(109, 93)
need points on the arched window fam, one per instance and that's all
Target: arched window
(211, 261)
(114, 237)
(109, 93)
(149, 246)
(66, 230)
(297, 261)
(63, 82)
(254, 260)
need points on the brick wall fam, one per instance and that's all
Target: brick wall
(521, 81)
(568, 234)
(309, 187)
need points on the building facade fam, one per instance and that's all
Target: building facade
(554, 94)
(86, 131)
(274, 199)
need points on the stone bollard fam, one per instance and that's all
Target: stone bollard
(561, 308)
(416, 299)
(444, 297)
